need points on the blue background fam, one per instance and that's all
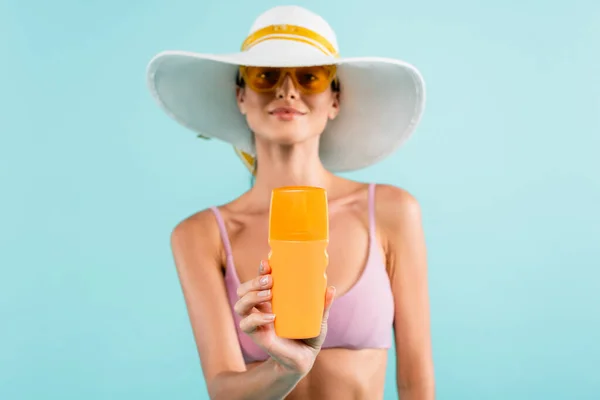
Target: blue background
(94, 177)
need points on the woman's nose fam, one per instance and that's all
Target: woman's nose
(287, 89)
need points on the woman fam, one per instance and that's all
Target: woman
(296, 113)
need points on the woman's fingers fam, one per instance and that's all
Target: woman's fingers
(317, 342)
(255, 320)
(255, 292)
(261, 282)
(250, 300)
(255, 295)
(265, 307)
(329, 295)
(264, 268)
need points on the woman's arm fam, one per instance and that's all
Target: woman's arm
(266, 381)
(196, 245)
(404, 240)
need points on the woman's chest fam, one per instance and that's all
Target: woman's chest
(348, 248)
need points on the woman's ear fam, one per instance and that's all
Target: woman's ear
(239, 94)
(335, 106)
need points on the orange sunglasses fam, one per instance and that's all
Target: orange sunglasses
(309, 80)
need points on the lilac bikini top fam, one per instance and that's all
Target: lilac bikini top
(361, 318)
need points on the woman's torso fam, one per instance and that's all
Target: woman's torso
(343, 374)
(357, 270)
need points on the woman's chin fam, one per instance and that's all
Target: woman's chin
(287, 136)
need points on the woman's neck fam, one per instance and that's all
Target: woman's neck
(297, 165)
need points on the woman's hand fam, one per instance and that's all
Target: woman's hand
(254, 306)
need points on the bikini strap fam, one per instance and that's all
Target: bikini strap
(223, 230)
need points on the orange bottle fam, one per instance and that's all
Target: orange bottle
(298, 237)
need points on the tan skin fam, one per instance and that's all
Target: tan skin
(288, 155)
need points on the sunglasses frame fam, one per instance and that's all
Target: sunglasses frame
(290, 71)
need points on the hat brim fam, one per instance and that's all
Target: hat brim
(382, 102)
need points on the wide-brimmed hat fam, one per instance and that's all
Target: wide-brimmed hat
(382, 99)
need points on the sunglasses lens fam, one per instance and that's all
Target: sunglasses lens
(309, 79)
(263, 78)
(313, 79)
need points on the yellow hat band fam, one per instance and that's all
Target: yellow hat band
(290, 32)
(248, 160)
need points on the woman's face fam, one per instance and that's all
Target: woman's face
(285, 115)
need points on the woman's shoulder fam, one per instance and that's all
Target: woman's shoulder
(200, 221)
(389, 199)
(392, 198)
(198, 233)
(396, 208)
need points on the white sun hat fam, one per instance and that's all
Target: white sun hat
(381, 99)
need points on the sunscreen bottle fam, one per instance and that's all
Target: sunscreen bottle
(298, 238)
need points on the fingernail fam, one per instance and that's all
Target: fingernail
(264, 280)
(270, 317)
(261, 268)
(264, 293)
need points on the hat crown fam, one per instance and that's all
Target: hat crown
(295, 16)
